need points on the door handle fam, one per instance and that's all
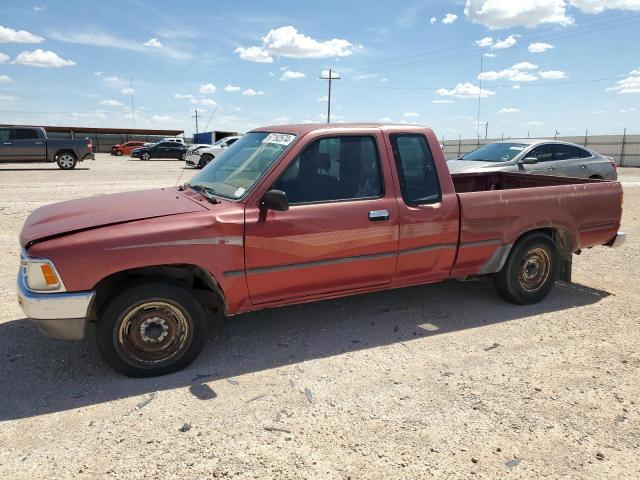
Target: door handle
(38, 143)
(550, 168)
(583, 166)
(378, 215)
(7, 143)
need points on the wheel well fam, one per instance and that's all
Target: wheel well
(60, 152)
(565, 244)
(596, 177)
(199, 280)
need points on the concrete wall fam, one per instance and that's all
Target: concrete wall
(624, 149)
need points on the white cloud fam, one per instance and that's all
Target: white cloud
(628, 110)
(515, 87)
(517, 73)
(324, 98)
(183, 96)
(153, 43)
(208, 101)
(465, 90)
(443, 101)
(490, 55)
(281, 120)
(254, 54)
(539, 47)
(509, 110)
(98, 74)
(288, 42)
(449, 18)
(162, 118)
(3, 57)
(231, 88)
(599, 112)
(42, 58)
(111, 103)
(484, 42)
(384, 79)
(207, 88)
(250, 92)
(411, 114)
(631, 84)
(290, 74)
(385, 120)
(553, 75)
(127, 91)
(7, 97)
(432, 21)
(9, 35)
(39, 8)
(111, 79)
(597, 6)
(508, 42)
(535, 123)
(5, 78)
(497, 14)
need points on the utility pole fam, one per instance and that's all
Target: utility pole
(133, 112)
(486, 130)
(480, 93)
(330, 78)
(195, 115)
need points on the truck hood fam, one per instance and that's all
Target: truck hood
(466, 166)
(82, 214)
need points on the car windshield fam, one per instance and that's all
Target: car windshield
(239, 167)
(496, 152)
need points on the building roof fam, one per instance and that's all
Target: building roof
(130, 131)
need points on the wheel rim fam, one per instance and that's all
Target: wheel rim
(535, 269)
(145, 156)
(153, 333)
(65, 161)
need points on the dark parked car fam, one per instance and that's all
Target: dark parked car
(30, 144)
(161, 150)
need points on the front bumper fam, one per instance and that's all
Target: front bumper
(57, 315)
(618, 240)
(192, 160)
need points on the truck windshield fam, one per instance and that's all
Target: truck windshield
(496, 152)
(234, 171)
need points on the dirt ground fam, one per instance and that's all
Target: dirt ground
(439, 381)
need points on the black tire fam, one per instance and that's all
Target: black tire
(118, 153)
(134, 323)
(204, 160)
(530, 271)
(145, 156)
(66, 160)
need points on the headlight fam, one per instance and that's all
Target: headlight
(40, 274)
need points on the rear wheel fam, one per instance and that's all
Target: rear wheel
(145, 156)
(67, 161)
(118, 153)
(152, 329)
(531, 270)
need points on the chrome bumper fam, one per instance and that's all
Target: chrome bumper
(57, 315)
(618, 240)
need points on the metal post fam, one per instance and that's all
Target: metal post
(479, 96)
(330, 79)
(459, 140)
(486, 130)
(586, 137)
(624, 139)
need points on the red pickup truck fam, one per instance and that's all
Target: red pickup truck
(292, 214)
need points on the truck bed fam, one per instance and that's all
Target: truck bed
(497, 207)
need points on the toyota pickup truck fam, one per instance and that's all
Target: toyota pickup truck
(293, 214)
(30, 144)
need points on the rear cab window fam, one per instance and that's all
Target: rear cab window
(25, 134)
(419, 183)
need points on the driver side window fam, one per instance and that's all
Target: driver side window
(544, 153)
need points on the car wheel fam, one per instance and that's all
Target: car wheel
(205, 159)
(183, 157)
(67, 161)
(145, 156)
(118, 153)
(530, 271)
(152, 329)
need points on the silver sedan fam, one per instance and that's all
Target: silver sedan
(541, 157)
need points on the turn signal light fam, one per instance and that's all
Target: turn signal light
(49, 275)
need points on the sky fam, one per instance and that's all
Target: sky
(534, 67)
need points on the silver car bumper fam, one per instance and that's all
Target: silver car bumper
(618, 240)
(57, 315)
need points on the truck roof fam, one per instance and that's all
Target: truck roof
(304, 128)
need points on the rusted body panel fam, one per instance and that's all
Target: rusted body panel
(325, 250)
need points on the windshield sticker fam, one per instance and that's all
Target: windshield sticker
(239, 192)
(279, 138)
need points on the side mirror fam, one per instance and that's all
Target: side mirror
(275, 200)
(528, 161)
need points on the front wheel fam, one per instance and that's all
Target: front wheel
(531, 270)
(67, 161)
(152, 329)
(118, 153)
(145, 156)
(204, 160)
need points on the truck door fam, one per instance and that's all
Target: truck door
(428, 211)
(27, 145)
(341, 230)
(6, 148)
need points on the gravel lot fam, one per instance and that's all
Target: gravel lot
(445, 381)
